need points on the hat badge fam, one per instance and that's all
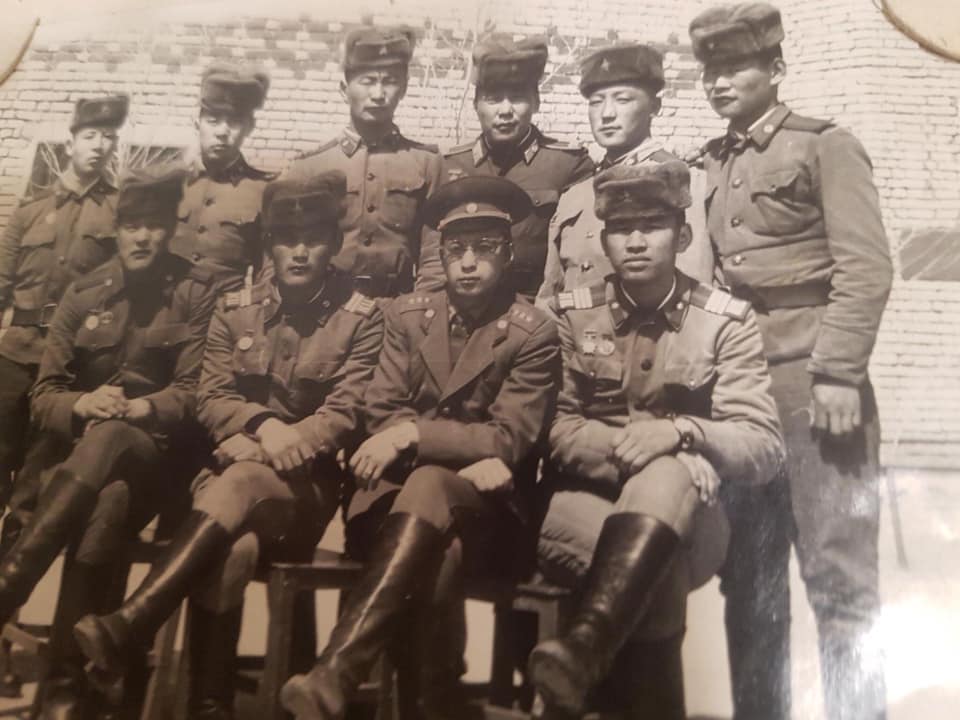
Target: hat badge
(472, 208)
(605, 65)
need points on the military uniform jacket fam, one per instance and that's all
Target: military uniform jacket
(51, 240)
(701, 356)
(542, 166)
(306, 365)
(146, 338)
(219, 215)
(794, 217)
(386, 188)
(575, 256)
(495, 402)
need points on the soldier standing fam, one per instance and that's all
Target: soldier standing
(665, 396)
(283, 375)
(116, 391)
(219, 215)
(388, 175)
(507, 97)
(464, 389)
(794, 218)
(51, 239)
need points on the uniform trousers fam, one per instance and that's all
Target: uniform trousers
(270, 517)
(663, 490)
(827, 503)
(15, 382)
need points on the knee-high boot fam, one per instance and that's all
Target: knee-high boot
(199, 544)
(402, 566)
(67, 502)
(633, 554)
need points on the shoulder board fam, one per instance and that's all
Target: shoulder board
(806, 124)
(258, 174)
(525, 316)
(93, 279)
(719, 302)
(201, 275)
(335, 142)
(35, 197)
(553, 144)
(429, 147)
(360, 304)
(457, 149)
(245, 296)
(413, 301)
(582, 298)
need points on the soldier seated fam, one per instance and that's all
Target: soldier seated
(116, 392)
(464, 390)
(665, 395)
(285, 365)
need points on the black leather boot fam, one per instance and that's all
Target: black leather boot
(402, 565)
(66, 504)
(197, 546)
(633, 554)
(213, 660)
(645, 682)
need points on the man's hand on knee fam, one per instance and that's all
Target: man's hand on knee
(105, 403)
(285, 448)
(489, 475)
(635, 445)
(239, 448)
(702, 474)
(379, 452)
(139, 411)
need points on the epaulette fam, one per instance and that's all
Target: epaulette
(806, 124)
(582, 298)
(719, 302)
(360, 304)
(457, 149)
(267, 175)
(429, 147)
(554, 144)
(36, 196)
(413, 301)
(201, 275)
(95, 278)
(317, 150)
(525, 316)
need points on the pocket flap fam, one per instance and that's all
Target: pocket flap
(105, 335)
(597, 367)
(404, 182)
(40, 233)
(543, 198)
(319, 371)
(689, 375)
(770, 183)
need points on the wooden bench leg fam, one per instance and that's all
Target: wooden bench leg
(501, 671)
(281, 592)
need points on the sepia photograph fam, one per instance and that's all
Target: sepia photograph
(480, 359)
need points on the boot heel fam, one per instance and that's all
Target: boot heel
(98, 645)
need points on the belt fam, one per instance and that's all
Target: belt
(778, 297)
(35, 317)
(380, 285)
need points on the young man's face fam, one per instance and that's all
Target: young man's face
(475, 255)
(506, 113)
(140, 240)
(373, 95)
(222, 135)
(301, 256)
(620, 116)
(90, 149)
(644, 250)
(743, 90)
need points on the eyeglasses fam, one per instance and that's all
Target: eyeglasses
(484, 248)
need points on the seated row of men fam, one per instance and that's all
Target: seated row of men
(424, 416)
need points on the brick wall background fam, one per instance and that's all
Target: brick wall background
(846, 61)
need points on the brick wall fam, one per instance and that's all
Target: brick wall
(845, 61)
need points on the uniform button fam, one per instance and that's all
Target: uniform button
(586, 265)
(62, 259)
(368, 240)
(737, 182)
(202, 229)
(646, 365)
(444, 410)
(371, 208)
(738, 259)
(196, 257)
(735, 222)
(371, 176)
(209, 201)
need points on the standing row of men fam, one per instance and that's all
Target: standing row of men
(665, 403)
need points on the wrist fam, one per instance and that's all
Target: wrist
(406, 436)
(265, 426)
(686, 432)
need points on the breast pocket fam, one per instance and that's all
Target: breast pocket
(402, 196)
(781, 202)
(251, 367)
(688, 388)
(313, 381)
(544, 203)
(162, 345)
(599, 382)
(98, 351)
(40, 233)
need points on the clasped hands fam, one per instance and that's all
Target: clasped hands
(108, 402)
(274, 443)
(637, 444)
(379, 452)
